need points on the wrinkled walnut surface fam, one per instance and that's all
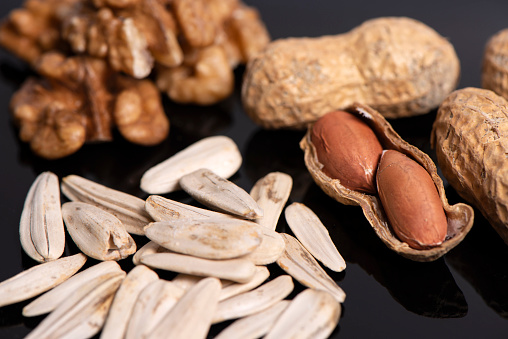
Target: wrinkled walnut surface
(80, 100)
(460, 216)
(470, 137)
(399, 66)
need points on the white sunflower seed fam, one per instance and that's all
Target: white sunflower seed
(149, 248)
(152, 304)
(41, 227)
(218, 153)
(82, 314)
(239, 270)
(130, 210)
(97, 233)
(302, 266)
(271, 193)
(311, 314)
(270, 250)
(255, 325)
(254, 301)
(39, 279)
(186, 281)
(162, 209)
(230, 290)
(191, 317)
(313, 235)
(124, 301)
(213, 238)
(220, 194)
(51, 299)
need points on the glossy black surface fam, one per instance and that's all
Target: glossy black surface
(462, 295)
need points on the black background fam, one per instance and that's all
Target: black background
(464, 294)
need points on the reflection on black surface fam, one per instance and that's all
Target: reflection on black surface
(427, 289)
(481, 259)
(271, 151)
(14, 71)
(10, 315)
(197, 122)
(118, 164)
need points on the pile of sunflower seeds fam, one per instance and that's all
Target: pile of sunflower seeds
(219, 256)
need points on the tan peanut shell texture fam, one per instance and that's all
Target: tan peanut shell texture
(495, 64)
(459, 216)
(469, 135)
(397, 65)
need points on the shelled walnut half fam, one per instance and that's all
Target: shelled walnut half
(80, 100)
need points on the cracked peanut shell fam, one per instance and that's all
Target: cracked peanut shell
(469, 138)
(459, 216)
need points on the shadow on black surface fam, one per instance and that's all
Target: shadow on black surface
(14, 71)
(197, 122)
(426, 289)
(278, 151)
(481, 259)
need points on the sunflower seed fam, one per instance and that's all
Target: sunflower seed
(220, 194)
(302, 266)
(51, 299)
(152, 304)
(270, 250)
(233, 289)
(218, 153)
(125, 299)
(213, 238)
(162, 209)
(239, 270)
(130, 210)
(39, 279)
(96, 232)
(41, 227)
(254, 301)
(186, 281)
(271, 193)
(149, 248)
(314, 236)
(192, 315)
(81, 315)
(255, 325)
(311, 314)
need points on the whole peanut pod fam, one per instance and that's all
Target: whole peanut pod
(495, 65)
(411, 201)
(469, 135)
(348, 149)
(397, 65)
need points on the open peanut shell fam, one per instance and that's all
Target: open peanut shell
(460, 216)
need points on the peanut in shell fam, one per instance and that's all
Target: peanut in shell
(495, 64)
(469, 135)
(459, 216)
(397, 65)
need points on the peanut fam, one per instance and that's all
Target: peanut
(348, 149)
(495, 66)
(469, 135)
(417, 231)
(399, 66)
(411, 201)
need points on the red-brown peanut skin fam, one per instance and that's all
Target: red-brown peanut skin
(348, 149)
(411, 201)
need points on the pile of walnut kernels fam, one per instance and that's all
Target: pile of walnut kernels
(94, 58)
